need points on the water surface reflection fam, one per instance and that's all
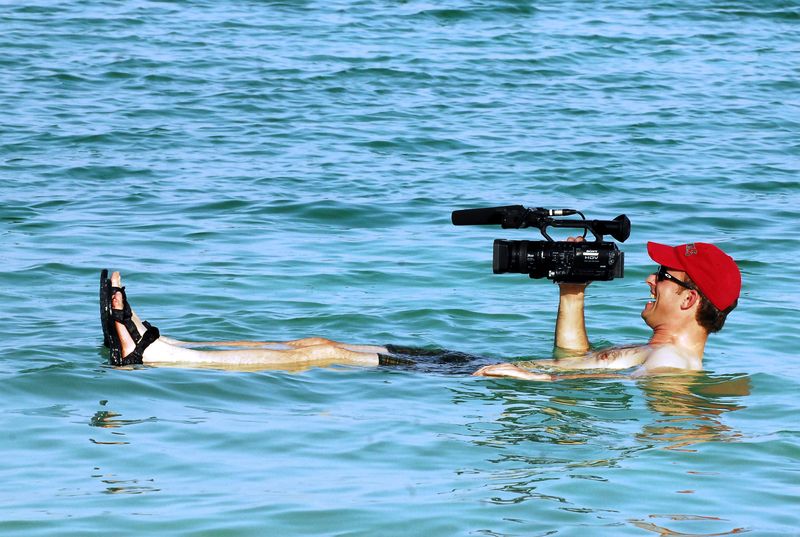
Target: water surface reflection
(576, 443)
(690, 409)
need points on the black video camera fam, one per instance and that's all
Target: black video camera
(560, 261)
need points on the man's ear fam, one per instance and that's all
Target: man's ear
(690, 298)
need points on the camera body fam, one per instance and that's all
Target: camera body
(560, 261)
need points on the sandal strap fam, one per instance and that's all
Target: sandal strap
(137, 355)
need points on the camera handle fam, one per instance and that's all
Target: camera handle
(545, 223)
(619, 227)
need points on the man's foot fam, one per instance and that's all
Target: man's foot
(118, 303)
(129, 336)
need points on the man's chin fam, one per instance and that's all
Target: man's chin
(648, 308)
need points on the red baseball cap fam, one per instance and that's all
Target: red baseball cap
(713, 271)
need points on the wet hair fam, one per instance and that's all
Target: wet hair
(710, 317)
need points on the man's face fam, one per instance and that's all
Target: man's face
(666, 296)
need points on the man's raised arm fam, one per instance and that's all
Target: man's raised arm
(570, 324)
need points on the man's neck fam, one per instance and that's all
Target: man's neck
(690, 340)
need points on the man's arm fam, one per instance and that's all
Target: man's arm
(665, 360)
(570, 324)
(511, 371)
(516, 372)
(611, 358)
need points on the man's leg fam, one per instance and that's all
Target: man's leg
(280, 345)
(322, 354)
(305, 351)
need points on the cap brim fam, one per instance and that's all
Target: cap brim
(664, 255)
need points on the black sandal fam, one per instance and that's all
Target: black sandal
(105, 305)
(110, 317)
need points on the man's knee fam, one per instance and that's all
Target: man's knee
(312, 341)
(322, 351)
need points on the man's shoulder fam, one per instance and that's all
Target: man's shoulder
(666, 358)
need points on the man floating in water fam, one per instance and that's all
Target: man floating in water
(693, 291)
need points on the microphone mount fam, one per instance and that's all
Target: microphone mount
(517, 217)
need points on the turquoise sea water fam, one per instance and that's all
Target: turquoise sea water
(278, 169)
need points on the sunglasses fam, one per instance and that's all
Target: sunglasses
(662, 275)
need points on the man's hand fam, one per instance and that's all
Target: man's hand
(567, 289)
(510, 371)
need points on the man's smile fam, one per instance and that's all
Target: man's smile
(652, 299)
